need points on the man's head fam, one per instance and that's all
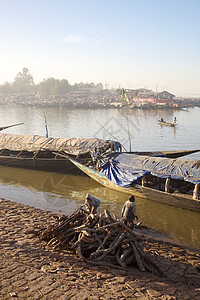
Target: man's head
(88, 197)
(132, 199)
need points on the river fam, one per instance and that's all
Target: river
(137, 130)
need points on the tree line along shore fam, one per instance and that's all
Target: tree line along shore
(55, 92)
(104, 99)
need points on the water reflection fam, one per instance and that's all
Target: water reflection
(64, 193)
(145, 132)
(173, 128)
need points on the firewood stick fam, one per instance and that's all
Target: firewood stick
(110, 225)
(106, 238)
(134, 234)
(126, 253)
(79, 251)
(117, 238)
(121, 263)
(114, 246)
(97, 238)
(102, 263)
(149, 261)
(129, 259)
(108, 216)
(137, 258)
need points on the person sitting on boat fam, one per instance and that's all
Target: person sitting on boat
(128, 212)
(95, 156)
(92, 204)
(116, 146)
(174, 119)
(162, 120)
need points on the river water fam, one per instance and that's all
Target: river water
(137, 130)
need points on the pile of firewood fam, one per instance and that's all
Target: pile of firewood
(99, 240)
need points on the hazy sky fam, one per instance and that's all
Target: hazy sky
(131, 43)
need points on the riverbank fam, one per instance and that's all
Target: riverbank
(29, 270)
(101, 99)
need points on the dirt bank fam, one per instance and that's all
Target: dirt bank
(29, 270)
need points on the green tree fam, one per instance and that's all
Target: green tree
(61, 87)
(52, 86)
(99, 86)
(6, 88)
(23, 82)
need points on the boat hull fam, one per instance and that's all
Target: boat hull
(167, 124)
(176, 199)
(64, 165)
(168, 154)
(40, 164)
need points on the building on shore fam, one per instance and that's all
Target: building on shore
(149, 98)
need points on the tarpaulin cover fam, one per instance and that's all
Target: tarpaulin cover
(124, 169)
(33, 143)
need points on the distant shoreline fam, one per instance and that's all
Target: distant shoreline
(102, 99)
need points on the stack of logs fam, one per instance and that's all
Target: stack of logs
(99, 240)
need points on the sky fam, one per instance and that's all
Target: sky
(153, 44)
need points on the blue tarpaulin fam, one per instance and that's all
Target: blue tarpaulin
(126, 168)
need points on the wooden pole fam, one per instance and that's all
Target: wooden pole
(112, 135)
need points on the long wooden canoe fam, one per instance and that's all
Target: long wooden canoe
(60, 165)
(164, 123)
(169, 154)
(5, 127)
(176, 199)
(57, 162)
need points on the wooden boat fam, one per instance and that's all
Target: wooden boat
(168, 154)
(51, 154)
(166, 188)
(5, 127)
(164, 123)
(58, 162)
(48, 154)
(49, 164)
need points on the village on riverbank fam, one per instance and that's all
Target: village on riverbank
(55, 92)
(94, 98)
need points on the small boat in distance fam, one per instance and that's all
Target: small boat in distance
(162, 122)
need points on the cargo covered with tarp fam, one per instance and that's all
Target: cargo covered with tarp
(124, 169)
(34, 143)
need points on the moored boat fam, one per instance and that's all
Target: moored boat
(9, 126)
(48, 154)
(169, 181)
(51, 154)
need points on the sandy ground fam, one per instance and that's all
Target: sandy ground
(29, 270)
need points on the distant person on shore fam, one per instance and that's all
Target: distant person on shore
(129, 213)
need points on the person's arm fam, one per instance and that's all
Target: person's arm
(135, 212)
(122, 212)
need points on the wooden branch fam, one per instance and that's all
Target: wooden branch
(120, 262)
(137, 258)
